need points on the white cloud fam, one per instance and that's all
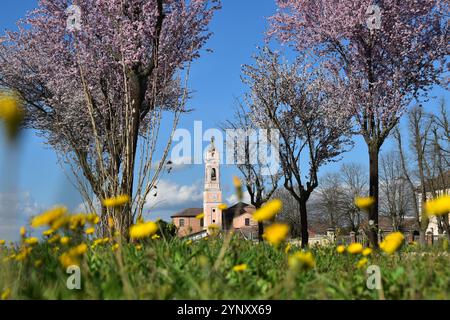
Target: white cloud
(170, 195)
(16, 209)
(233, 199)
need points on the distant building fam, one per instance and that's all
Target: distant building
(442, 187)
(237, 217)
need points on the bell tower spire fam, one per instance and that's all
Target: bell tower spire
(212, 195)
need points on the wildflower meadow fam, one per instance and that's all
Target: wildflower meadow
(251, 150)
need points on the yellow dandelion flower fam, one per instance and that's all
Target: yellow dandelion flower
(48, 232)
(60, 222)
(237, 182)
(31, 241)
(361, 263)
(276, 233)
(68, 260)
(138, 247)
(355, 248)
(367, 251)
(78, 250)
(438, 206)
(64, 240)
(222, 206)
(23, 231)
(302, 259)
(288, 248)
(268, 211)
(54, 239)
(23, 254)
(340, 249)
(189, 242)
(2, 242)
(213, 227)
(38, 263)
(115, 247)
(200, 216)
(364, 203)
(240, 267)
(48, 217)
(143, 230)
(155, 237)
(116, 201)
(392, 242)
(111, 223)
(93, 218)
(5, 294)
(90, 230)
(11, 112)
(77, 221)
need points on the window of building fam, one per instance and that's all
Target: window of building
(213, 174)
(202, 223)
(247, 222)
(181, 222)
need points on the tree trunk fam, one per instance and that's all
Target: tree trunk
(260, 231)
(303, 223)
(374, 193)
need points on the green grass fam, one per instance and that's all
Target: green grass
(176, 270)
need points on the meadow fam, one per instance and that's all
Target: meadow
(176, 269)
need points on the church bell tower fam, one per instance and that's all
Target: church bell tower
(212, 195)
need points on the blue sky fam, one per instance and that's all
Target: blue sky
(41, 182)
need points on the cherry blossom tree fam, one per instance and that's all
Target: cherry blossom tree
(295, 99)
(98, 76)
(387, 53)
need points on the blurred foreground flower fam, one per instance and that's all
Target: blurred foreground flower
(48, 217)
(364, 203)
(340, 249)
(31, 241)
(355, 248)
(200, 216)
(223, 206)
(366, 252)
(116, 201)
(143, 230)
(438, 206)
(71, 257)
(240, 267)
(268, 211)
(5, 294)
(238, 185)
(300, 259)
(361, 263)
(276, 233)
(11, 112)
(392, 242)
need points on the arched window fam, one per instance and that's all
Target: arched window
(213, 174)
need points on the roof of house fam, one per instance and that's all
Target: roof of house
(239, 208)
(189, 212)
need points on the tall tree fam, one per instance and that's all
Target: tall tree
(261, 177)
(395, 196)
(99, 75)
(295, 99)
(386, 53)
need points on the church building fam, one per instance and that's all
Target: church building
(237, 217)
